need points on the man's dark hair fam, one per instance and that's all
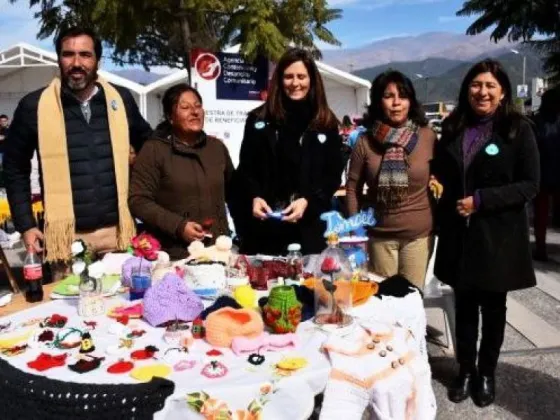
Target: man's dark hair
(77, 31)
(3, 116)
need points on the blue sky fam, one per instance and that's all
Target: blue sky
(366, 21)
(363, 21)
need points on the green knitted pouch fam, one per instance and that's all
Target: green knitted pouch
(282, 312)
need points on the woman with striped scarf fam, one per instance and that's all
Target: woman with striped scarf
(392, 157)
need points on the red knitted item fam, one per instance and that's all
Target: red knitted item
(147, 353)
(120, 367)
(55, 321)
(86, 365)
(46, 361)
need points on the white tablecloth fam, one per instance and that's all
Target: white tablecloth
(294, 398)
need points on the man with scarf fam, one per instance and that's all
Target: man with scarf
(83, 129)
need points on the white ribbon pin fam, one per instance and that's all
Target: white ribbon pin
(322, 138)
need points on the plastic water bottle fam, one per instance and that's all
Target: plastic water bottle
(33, 276)
(295, 262)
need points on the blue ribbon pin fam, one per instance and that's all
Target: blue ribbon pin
(492, 149)
(259, 125)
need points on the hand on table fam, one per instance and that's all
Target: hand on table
(33, 237)
(465, 207)
(193, 232)
(295, 211)
(260, 208)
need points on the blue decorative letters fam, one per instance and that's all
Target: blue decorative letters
(339, 225)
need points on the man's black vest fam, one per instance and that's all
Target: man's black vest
(92, 170)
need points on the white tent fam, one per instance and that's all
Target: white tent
(347, 94)
(25, 68)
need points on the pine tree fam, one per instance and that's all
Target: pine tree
(164, 32)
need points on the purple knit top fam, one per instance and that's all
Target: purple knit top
(475, 138)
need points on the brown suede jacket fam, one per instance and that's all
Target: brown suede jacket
(173, 183)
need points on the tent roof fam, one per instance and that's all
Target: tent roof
(23, 55)
(328, 72)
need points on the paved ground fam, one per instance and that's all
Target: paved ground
(528, 388)
(528, 375)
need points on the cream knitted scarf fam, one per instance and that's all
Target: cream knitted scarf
(57, 189)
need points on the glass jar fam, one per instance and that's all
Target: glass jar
(332, 286)
(140, 281)
(91, 296)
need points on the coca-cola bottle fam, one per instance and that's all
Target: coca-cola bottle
(33, 276)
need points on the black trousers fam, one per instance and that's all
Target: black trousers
(468, 305)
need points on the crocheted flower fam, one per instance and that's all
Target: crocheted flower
(146, 246)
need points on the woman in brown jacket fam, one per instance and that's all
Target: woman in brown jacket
(393, 158)
(181, 177)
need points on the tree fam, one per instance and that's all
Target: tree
(164, 32)
(520, 20)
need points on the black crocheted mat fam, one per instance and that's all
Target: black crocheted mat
(24, 396)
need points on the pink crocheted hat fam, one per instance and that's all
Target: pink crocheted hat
(227, 323)
(170, 300)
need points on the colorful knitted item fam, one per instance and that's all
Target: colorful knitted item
(245, 296)
(46, 361)
(221, 302)
(398, 144)
(282, 313)
(225, 324)
(171, 300)
(264, 342)
(357, 293)
(86, 365)
(380, 368)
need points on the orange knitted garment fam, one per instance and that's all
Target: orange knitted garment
(359, 291)
(227, 323)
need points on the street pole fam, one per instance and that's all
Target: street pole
(426, 95)
(524, 67)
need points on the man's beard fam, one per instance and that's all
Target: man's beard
(79, 85)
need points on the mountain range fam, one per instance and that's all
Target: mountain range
(439, 79)
(435, 61)
(448, 45)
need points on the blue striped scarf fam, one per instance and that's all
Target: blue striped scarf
(397, 144)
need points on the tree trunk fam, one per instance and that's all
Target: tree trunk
(187, 46)
(186, 36)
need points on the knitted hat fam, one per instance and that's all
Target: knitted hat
(282, 313)
(225, 324)
(222, 302)
(305, 296)
(171, 300)
(134, 262)
(245, 296)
